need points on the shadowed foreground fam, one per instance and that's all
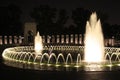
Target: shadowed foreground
(22, 74)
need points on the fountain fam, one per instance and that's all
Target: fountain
(94, 43)
(38, 45)
(93, 57)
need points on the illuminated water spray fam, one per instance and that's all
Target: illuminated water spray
(94, 43)
(38, 45)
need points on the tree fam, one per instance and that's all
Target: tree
(115, 30)
(49, 20)
(61, 20)
(10, 20)
(80, 16)
(106, 28)
(102, 16)
(43, 16)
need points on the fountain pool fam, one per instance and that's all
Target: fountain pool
(91, 57)
(62, 58)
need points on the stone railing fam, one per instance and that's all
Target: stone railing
(63, 39)
(11, 40)
(55, 39)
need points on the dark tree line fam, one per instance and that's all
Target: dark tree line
(52, 21)
(49, 20)
(10, 20)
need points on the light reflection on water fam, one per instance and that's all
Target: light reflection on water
(27, 74)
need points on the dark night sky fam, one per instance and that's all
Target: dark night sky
(111, 8)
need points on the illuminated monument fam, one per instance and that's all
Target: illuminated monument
(91, 57)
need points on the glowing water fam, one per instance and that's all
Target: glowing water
(94, 43)
(38, 45)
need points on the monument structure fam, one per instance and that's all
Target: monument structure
(29, 32)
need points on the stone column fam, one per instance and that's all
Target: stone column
(106, 42)
(80, 39)
(53, 39)
(48, 38)
(43, 39)
(71, 38)
(5, 39)
(10, 39)
(15, 39)
(67, 39)
(1, 40)
(58, 38)
(113, 41)
(76, 38)
(20, 39)
(62, 38)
